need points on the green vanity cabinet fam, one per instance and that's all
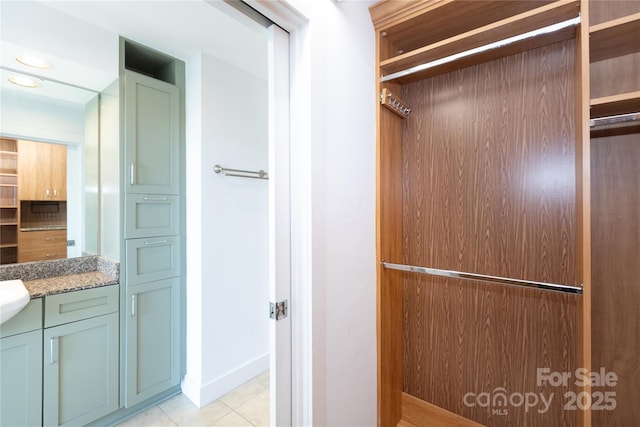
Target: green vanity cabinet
(152, 129)
(153, 339)
(80, 356)
(21, 367)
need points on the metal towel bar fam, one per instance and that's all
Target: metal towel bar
(484, 278)
(241, 173)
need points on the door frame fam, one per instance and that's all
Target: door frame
(283, 14)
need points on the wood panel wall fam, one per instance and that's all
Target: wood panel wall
(489, 187)
(609, 77)
(615, 231)
(615, 166)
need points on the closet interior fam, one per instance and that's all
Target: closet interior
(508, 167)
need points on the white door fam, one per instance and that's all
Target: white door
(279, 225)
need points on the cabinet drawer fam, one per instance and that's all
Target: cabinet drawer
(78, 305)
(151, 215)
(42, 245)
(29, 319)
(152, 259)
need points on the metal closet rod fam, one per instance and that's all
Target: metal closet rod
(614, 120)
(241, 173)
(484, 278)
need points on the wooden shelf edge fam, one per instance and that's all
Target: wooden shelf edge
(418, 413)
(614, 38)
(616, 104)
(8, 245)
(382, 13)
(520, 24)
(490, 55)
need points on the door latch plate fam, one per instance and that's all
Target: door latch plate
(279, 310)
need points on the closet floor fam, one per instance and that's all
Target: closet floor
(246, 406)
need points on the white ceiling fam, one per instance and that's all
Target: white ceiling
(81, 37)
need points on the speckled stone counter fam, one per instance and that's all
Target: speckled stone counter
(65, 275)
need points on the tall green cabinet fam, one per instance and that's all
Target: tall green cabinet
(152, 96)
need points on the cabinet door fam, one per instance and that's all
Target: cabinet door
(42, 171)
(152, 118)
(153, 341)
(21, 385)
(34, 170)
(58, 181)
(80, 371)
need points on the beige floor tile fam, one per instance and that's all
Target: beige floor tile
(232, 420)
(153, 417)
(242, 394)
(256, 410)
(263, 379)
(186, 414)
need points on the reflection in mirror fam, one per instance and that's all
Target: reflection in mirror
(49, 169)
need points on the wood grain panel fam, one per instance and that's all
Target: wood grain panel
(467, 337)
(607, 79)
(489, 187)
(489, 161)
(615, 232)
(389, 246)
(607, 10)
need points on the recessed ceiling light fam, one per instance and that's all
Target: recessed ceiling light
(24, 81)
(33, 61)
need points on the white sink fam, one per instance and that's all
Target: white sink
(13, 298)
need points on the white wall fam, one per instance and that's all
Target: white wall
(40, 118)
(228, 289)
(338, 45)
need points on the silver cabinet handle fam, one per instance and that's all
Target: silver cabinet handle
(132, 171)
(51, 255)
(47, 193)
(133, 305)
(55, 193)
(51, 350)
(155, 199)
(159, 242)
(48, 239)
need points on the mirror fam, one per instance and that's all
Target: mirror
(81, 40)
(48, 129)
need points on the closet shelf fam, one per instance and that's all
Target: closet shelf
(464, 50)
(614, 38)
(407, 26)
(615, 105)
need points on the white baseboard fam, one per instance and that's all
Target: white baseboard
(207, 393)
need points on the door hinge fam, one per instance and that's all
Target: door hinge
(278, 310)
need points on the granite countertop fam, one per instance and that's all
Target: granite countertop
(74, 282)
(42, 278)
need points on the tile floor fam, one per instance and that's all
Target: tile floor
(246, 406)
